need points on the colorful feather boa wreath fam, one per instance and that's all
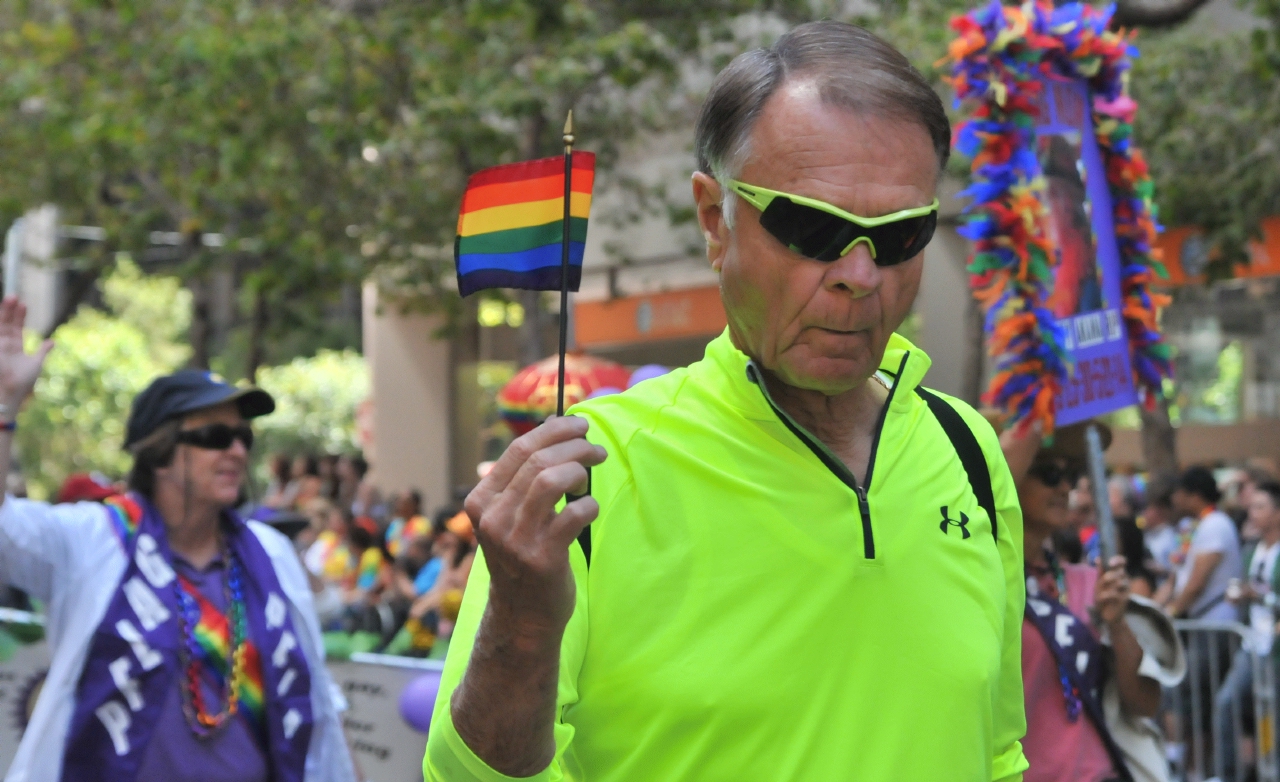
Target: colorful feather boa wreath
(1000, 54)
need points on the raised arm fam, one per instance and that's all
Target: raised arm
(34, 537)
(18, 373)
(504, 709)
(1139, 695)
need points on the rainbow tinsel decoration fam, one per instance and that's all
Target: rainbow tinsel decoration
(997, 60)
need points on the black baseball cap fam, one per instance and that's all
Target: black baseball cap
(185, 392)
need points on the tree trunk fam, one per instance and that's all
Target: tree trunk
(201, 332)
(1159, 443)
(257, 337)
(79, 287)
(1134, 13)
(531, 330)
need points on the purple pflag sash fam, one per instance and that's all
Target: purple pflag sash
(133, 658)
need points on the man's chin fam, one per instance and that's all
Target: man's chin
(828, 376)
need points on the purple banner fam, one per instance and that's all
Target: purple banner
(1086, 293)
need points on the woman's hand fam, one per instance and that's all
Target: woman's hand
(1111, 594)
(19, 369)
(1139, 695)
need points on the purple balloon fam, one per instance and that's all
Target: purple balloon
(647, 372)
(604, 391)
(418, 700)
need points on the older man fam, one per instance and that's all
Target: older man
(791, 576)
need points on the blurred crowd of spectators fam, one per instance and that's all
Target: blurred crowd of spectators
(1205, 546)
(1165, 528)
(388, 578)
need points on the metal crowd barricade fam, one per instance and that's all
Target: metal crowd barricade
(1205, 714)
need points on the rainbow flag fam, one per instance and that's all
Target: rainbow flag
(511, 225)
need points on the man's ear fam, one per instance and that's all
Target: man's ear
(707, 198)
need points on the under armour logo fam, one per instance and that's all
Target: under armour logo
(947, 521)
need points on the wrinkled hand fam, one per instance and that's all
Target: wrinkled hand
(1111, 593)
(525, 541)
(19, 369)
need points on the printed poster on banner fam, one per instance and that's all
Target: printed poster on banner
(1086, 293)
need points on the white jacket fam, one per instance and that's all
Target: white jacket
(70, 557)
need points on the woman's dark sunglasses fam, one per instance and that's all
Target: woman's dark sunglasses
(217, 437)
(1052, 473)
(818, 230)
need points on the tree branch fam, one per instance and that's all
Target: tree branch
(81, 285)
(1133, 13)
(161, 197)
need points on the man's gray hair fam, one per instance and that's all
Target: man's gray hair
(851, 67)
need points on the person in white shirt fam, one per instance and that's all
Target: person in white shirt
(184, 642)
(1208, 556)
(1259, 591)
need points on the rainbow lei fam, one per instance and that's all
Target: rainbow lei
(218, 644)
(997, 61)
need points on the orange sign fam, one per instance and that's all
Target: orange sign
(1186, 252)
(670, 315)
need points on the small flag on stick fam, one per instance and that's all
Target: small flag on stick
(511, 225)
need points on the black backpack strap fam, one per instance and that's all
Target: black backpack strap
(584, 537)
(584, 540)
(966, 445)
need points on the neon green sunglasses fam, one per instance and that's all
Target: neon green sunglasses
(823, 232)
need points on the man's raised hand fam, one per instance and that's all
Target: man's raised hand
(524, 539)
(19, 369)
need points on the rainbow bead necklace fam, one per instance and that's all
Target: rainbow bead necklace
(204, 632)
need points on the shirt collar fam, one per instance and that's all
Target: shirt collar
(902, 360)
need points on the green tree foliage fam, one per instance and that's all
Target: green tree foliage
(75, 421)
(321, 140)
(1209, 123)
(316, 402)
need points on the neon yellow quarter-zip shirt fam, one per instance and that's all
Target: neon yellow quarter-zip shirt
(751, 611)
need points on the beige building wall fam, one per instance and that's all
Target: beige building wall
(411, 387)
(1205, 444)
(943, 304)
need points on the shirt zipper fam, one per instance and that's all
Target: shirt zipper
(833, 462)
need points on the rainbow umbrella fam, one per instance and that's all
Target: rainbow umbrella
(529, 397)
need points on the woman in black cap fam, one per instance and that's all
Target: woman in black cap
(184, 642)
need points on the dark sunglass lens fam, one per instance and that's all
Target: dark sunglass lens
(217, 437)
(811, 232)
(1051, 473)
(903, 240)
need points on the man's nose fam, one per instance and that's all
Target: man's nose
(237, 448)
(855, 272)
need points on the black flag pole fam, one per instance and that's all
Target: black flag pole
(564, 259)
